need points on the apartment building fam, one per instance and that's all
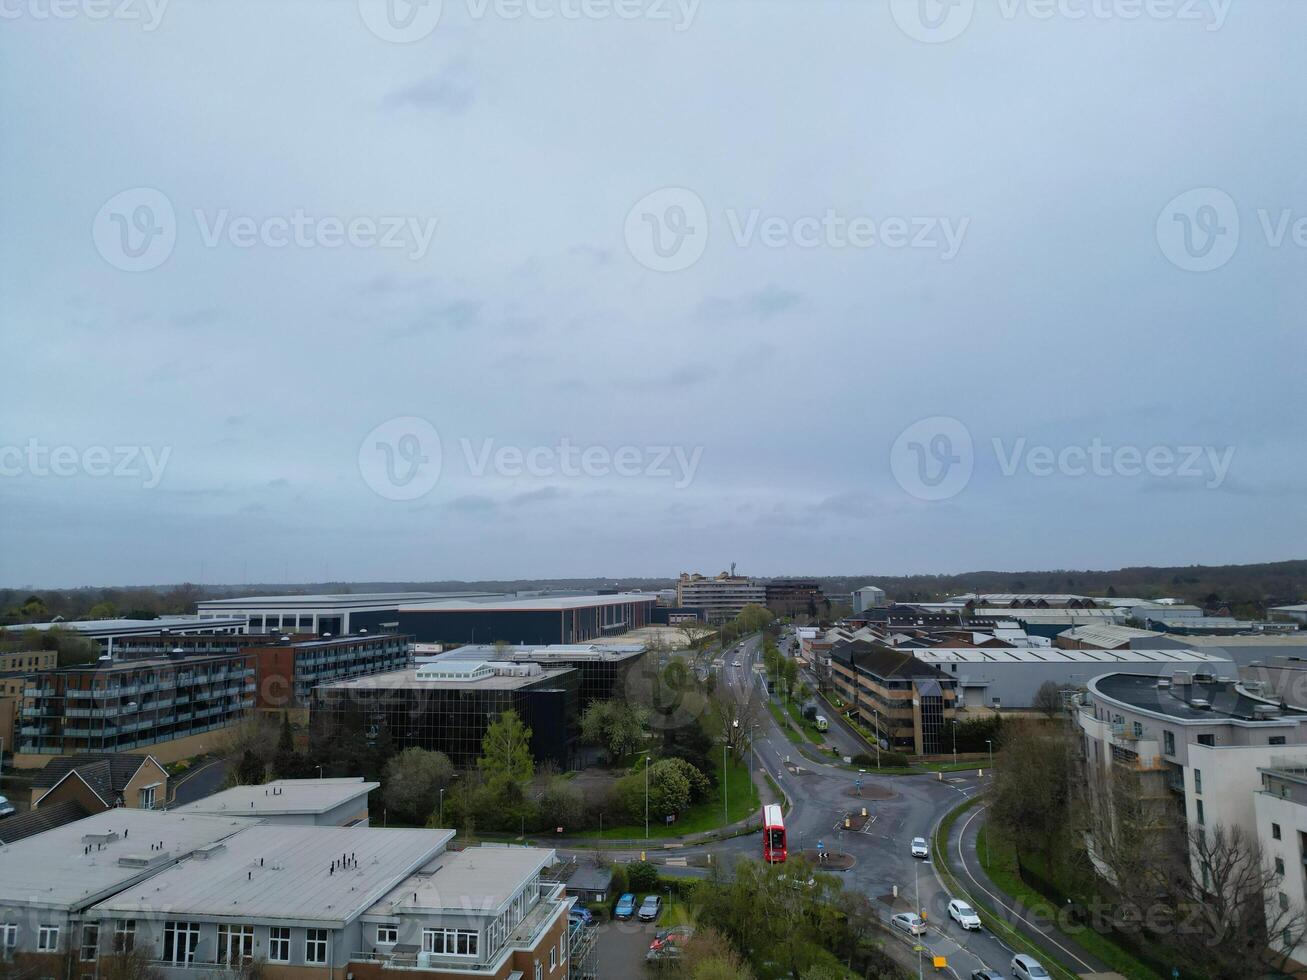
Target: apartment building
(1196, 740)
(26, 661)
(910, 704)
(166, 704)
(195, 892)
(1280, 807)
(721, 597)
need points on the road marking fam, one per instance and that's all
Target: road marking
(1001, 904)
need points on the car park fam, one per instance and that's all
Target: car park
(963, 914)
(1028, 968)
(625, 907)
(651, 908)
(909, 922)
(920, 849)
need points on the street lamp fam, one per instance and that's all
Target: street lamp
(442, 806)
(955, 741)
(990, 743)
(646, 797)
(876, 714)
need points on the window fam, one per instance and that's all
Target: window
(1279, 867)
(1284, 902)
(553, 959)
(124, 935)
(538, 970)
(315, 946)
(47, 940)
(1206, 739)
(235, 943)
(1198, 780)
(387, 935)
(279, 944)
(562, 947)
(179, 941)
(1275, 740)
(1168, 742)
(1138, 730)
(8, 938)
(1275, 831)
(1201, 819)
(90, 942)
(450, 942)
(146, 800)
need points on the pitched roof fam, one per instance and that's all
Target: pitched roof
(106, 773)
(38, 821)
(883, 661)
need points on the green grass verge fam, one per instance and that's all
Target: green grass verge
(701, 817)
(999, 859)
(993, 921)
(809, 729)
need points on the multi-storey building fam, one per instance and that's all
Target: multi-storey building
(910, 704)
(107, 632)
(1197, 736)
(447, 705)
(604, 671)
(1280, 808)
(166, 704)
(793, 597)
(25, 661)
(318, 614)
(215, 894)
(868, 597)
(288, 666)
(721, 597)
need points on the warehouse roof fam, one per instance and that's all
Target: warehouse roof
(1106, 634)
(55, 869)
(506, 676)
(541, 603)
(282, 797)
(324, 876)
(341, 600)
(1056, 655)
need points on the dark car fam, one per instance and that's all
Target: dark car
(986, 975)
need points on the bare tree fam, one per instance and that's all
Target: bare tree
(1048, 699)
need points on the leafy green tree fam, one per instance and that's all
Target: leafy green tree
(412, 783)
(561, 805)
(668, 791)
(506, 751)
(642, 876)
(616, 726)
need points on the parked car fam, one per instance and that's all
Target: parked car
(986, 975)
(581, 914)
(920, 849)
(909, 922)
(625, 907)
(651, 908)
(1028, 968)
(963, 914)
(6, 808)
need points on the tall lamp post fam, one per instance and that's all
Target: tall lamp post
(990, 743)
(646, 797)
(876, 734)
(955, 741)
(442, 806)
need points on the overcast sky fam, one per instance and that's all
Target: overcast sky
(294, 291)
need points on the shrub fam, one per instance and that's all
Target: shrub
(642, 876)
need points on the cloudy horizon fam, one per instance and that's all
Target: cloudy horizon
(498, 290)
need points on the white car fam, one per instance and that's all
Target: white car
(735, 664)
(1028, 968)
(6, 808)
(909, 922)
(920, 849)
(963, 914)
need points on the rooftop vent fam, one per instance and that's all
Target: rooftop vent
(1200, 704)
(144, 860)
(100, 839)
(1203, 678)
(1266, 711)
(1163, 682)
(209, 850)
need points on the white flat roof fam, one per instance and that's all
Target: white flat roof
(1054, 655)
(117, 626)
(285, 873)
(53, 869)
(478, 880)
(544, 603)
(282, 797)
(342, 600)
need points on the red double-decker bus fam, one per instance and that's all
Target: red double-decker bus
(773, 834)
